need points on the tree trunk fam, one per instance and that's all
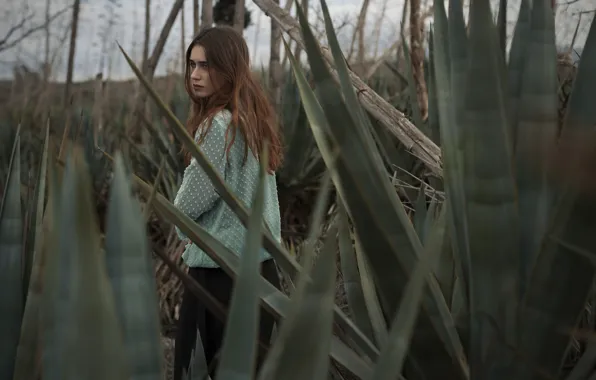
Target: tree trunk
(163, 37)
(359, 34)
(417, 56)
(377, 30)
(71, 51)
(147, 32)
(207, 14)
(47, 69)
(288, 9)
(274, 62)
(239, 16)
(297, 49)
(195, 17)
(150, 65)
(182, 40)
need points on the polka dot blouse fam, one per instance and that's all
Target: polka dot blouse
(198, 199)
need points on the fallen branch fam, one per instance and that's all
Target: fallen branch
(396, 122)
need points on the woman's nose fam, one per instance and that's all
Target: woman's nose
(195, 74)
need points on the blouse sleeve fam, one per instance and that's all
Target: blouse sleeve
(197, 194)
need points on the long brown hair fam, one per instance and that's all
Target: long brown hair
(252, 113)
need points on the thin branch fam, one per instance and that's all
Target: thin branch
(569, 2)
(5, 42)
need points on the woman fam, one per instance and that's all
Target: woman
(230, 119)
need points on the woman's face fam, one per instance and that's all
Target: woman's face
(200, 80)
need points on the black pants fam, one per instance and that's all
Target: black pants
(193, 315)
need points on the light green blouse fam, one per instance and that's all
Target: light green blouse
(198, 199)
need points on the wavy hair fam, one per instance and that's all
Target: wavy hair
(238, 91)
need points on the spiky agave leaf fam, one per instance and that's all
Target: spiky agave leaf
(55, 294)
(386, 232)
(275, 300)
(93, 347)
(293, 355)
(352, 281)
(130, 271)
(490, 194)
(238, 352)
(393, 354)
(537, 126)
(563, 272)
(198, 368)
(26, 358)
(11, 270)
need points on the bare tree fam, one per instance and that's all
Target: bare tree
(288, 9)
(147, 31)
(149, 70)
(257, 29)
(275, 73)
(207, 14)
(71, 51)
(377, 29)
(46, 61)
(239, 16)
(21, 29)
(297, 49)
(150, 64)
(417, 55)
(195, 17)
(359, 34)
(182, 40)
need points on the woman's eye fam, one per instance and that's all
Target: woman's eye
(204, 65)
(192, 64)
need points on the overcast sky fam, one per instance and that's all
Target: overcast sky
(102, 22)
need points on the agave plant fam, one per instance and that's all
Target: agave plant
(495, 267)
(303, 164)
(488, 284)
(87, 309)
(503, 209)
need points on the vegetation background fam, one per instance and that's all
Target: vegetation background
(65, 69)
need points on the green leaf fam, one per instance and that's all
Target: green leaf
(563, 273)
(26, 358)
(537, 129)
(351, 276)
(310, 318)
(239, 352)
(517, 63)
(11, 251)
(131, 274)
(36, 214)
(421, 213)
(433, 111)
(393, 354)
(448, 76)
(453, 147)
(380, 219)
(272, 297)
(491, 194)
(371, 298)
(94, 348)
(198, 368)
(55, 297)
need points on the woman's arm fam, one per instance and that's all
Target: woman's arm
(197, 194)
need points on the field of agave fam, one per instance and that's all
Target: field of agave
(480, 268)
